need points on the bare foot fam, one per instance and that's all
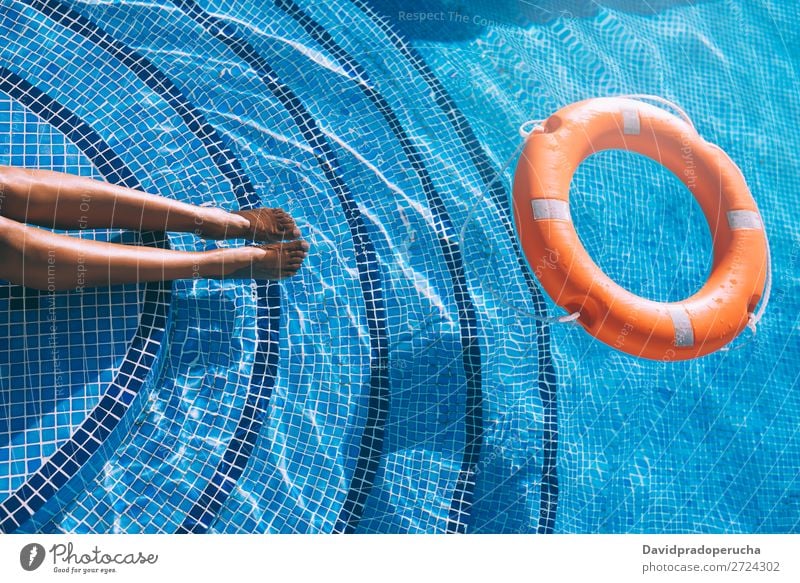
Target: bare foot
(268, 225)
(279, 261)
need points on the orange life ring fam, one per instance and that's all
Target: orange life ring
(696, 326)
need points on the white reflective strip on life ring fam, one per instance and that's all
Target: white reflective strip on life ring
(630, 122)
(550, 209)
(745, 220)
(684, 334)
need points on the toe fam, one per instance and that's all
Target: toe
(286, 222)
(269, 224)
(297, 246)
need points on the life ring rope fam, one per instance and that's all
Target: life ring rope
(566, 318)
(756, 316)
(663, 101)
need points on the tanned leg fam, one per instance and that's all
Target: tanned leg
(63, 201)
(47, 261)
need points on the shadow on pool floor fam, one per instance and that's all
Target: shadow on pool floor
(458, 20)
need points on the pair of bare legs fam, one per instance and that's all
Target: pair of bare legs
(48, 261)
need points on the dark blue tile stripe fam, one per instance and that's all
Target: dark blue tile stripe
(254, 413)
(156, 80)
(268, 296)
(547, 380)
(369, 456)
(66, 463)
(366, 259)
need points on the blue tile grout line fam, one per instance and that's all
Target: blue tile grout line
(547, 379)
(69, 460)
(366, 260)
(470, 351)
(268, 297)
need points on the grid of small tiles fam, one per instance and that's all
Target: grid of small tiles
(709, 445)
(399, 382)
(59, 350)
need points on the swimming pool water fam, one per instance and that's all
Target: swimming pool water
(399, 383)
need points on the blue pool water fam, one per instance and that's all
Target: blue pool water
(399, 383)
